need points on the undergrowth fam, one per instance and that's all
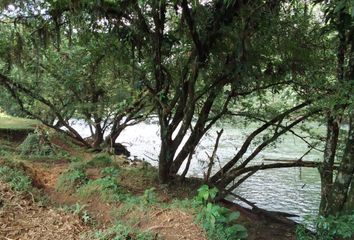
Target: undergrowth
(7, 149)
(106, 187)
(329, 228)
(219, 222)
(100, 160)
(120, 231)
(72, 179)
(16, 179)
(37, 145)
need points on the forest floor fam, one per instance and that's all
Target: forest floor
(53, 210)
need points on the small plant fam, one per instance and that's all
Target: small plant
(206, 194)
(329, 228)
(86, 217)
(16, 179)
(71, 179)
(79, 209)
(218, 221)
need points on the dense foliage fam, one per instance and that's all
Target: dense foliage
(193, 64)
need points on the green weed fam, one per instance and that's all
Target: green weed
(186, 204)
(16, 178)
(332, 227)
(71, 179)
(218, 221)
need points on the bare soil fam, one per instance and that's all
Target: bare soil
(21, 218)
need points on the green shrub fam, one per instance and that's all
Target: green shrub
(37, 145)
(16, 178)
(100, 160)
(329, 228)
(32, 146)
(218, 221)
(71, 179)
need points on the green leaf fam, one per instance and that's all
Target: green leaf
(340, 6)
(233, 216)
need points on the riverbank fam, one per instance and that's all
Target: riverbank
(160, 211)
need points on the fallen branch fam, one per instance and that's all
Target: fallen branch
(276, 216)
(302, 164)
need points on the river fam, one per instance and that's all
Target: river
(292, 190)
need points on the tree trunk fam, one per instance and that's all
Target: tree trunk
(112, 137)
(167, 150)
(98, 137)
(341, 198)
(341, 192)
(326, 170)
(165, 162)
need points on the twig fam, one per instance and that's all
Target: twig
(150, 158)
(212, 157)
(157, 227)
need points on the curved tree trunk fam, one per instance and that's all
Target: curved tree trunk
(341, 195)
(326, 170)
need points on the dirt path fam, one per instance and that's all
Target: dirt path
(170, 224)
(22, 219)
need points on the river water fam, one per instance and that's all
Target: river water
(292, 190)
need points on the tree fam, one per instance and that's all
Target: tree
(81, 75)
(336, 193)
(200, 57)
(196, 61)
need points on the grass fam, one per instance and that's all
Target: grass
(16, 123)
